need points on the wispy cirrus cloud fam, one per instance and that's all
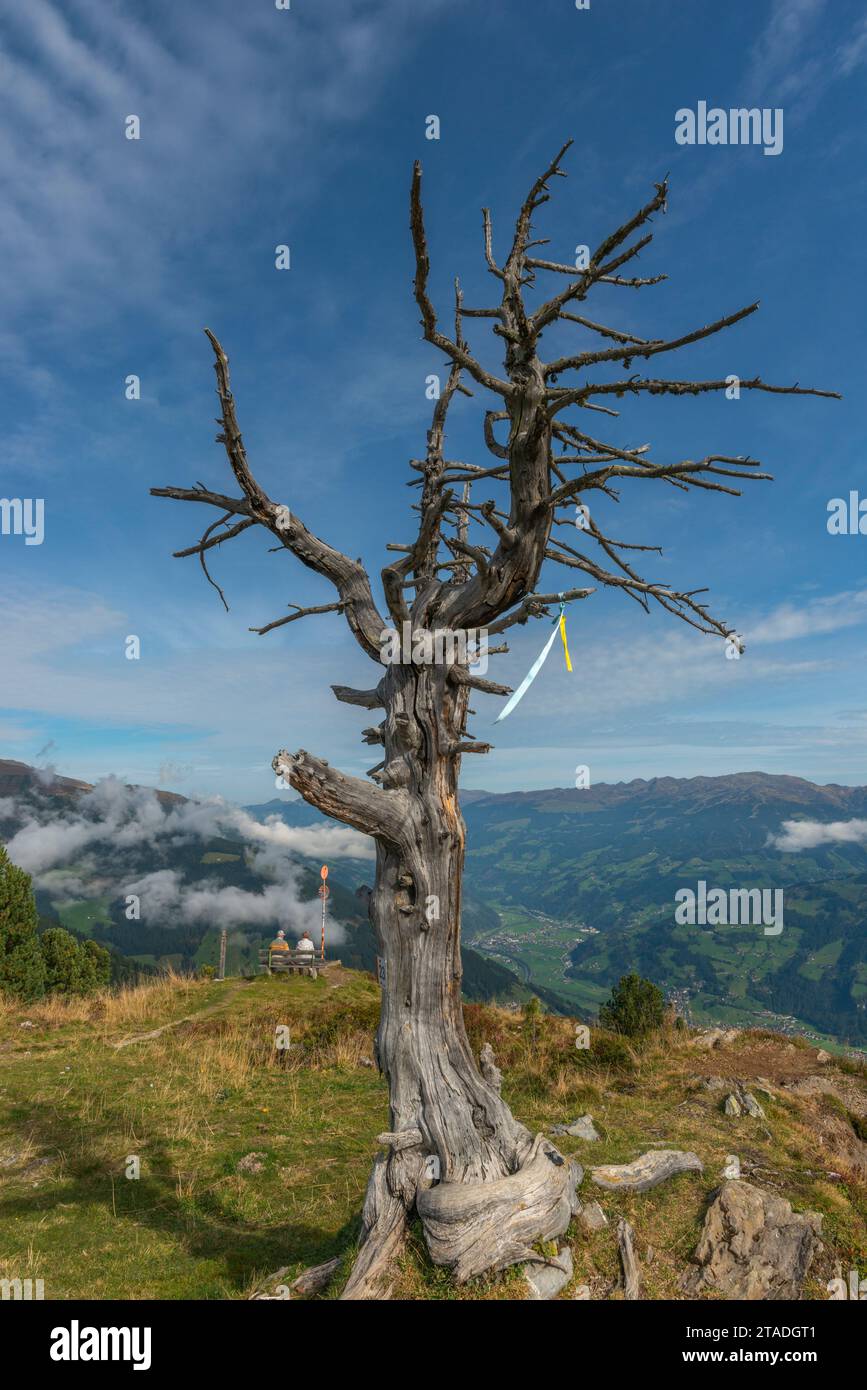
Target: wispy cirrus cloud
(214, 90)
(790, 622)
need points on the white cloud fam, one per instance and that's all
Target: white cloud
(164, 896)
(123, 817)
(60, 845)
(816, 617)
(799, 835)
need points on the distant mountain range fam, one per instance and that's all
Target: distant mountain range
(567, 889)
(583, 882)
(213, 861)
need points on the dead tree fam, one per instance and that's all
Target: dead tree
(500, 1188)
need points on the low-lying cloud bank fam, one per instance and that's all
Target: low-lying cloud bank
(809, 834)
(65, 845)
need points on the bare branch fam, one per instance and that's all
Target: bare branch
(662, 470)
(348, 576)
(458, 353)
(682, 605)
(367, 699)
(597, 269)
(584, 359)
(536, 606)
(563, 396)
(300, 613)
(385, 814)
(205, 544)
(459, 675)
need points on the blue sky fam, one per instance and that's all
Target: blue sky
(261, 127)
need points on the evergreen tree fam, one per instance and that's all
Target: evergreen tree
(636, 1007)
(73, 967)
(22, 969)
(97, 968)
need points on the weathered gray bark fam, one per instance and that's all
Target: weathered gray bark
(647, 1171)
(629, 1263)
(498, 1189)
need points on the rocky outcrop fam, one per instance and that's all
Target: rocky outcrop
(743, 1102)
(753, 1246)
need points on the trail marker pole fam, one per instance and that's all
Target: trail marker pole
(221, 972)
(323, 893)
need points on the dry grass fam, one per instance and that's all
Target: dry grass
(113, 1008)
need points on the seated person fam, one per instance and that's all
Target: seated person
(305, 946)
(278, 944)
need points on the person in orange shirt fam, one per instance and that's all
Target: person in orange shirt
(278, 944)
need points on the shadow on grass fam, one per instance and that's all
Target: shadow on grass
(204, 1226)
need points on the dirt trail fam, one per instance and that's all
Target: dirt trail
(333, 972)
(209, 1009)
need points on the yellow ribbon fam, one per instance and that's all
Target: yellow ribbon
(565, 643)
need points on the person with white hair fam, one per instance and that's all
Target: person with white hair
(305, 947)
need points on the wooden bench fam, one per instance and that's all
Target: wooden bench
(289, 962)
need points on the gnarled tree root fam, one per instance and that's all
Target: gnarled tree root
(472, 1227)
(479, 1227)
(383, 1225)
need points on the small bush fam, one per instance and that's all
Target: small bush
(636, 1008)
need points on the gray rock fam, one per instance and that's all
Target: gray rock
(582, 1128)
(592, 1217)
(545, 1281)
(751, 1105)
(753, 1246)
(732, 1106)
(714, 1037)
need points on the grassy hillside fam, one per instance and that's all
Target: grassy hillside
(585, 881)
(186, 1075)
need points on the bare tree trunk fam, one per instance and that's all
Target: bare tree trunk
(441, 1104)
